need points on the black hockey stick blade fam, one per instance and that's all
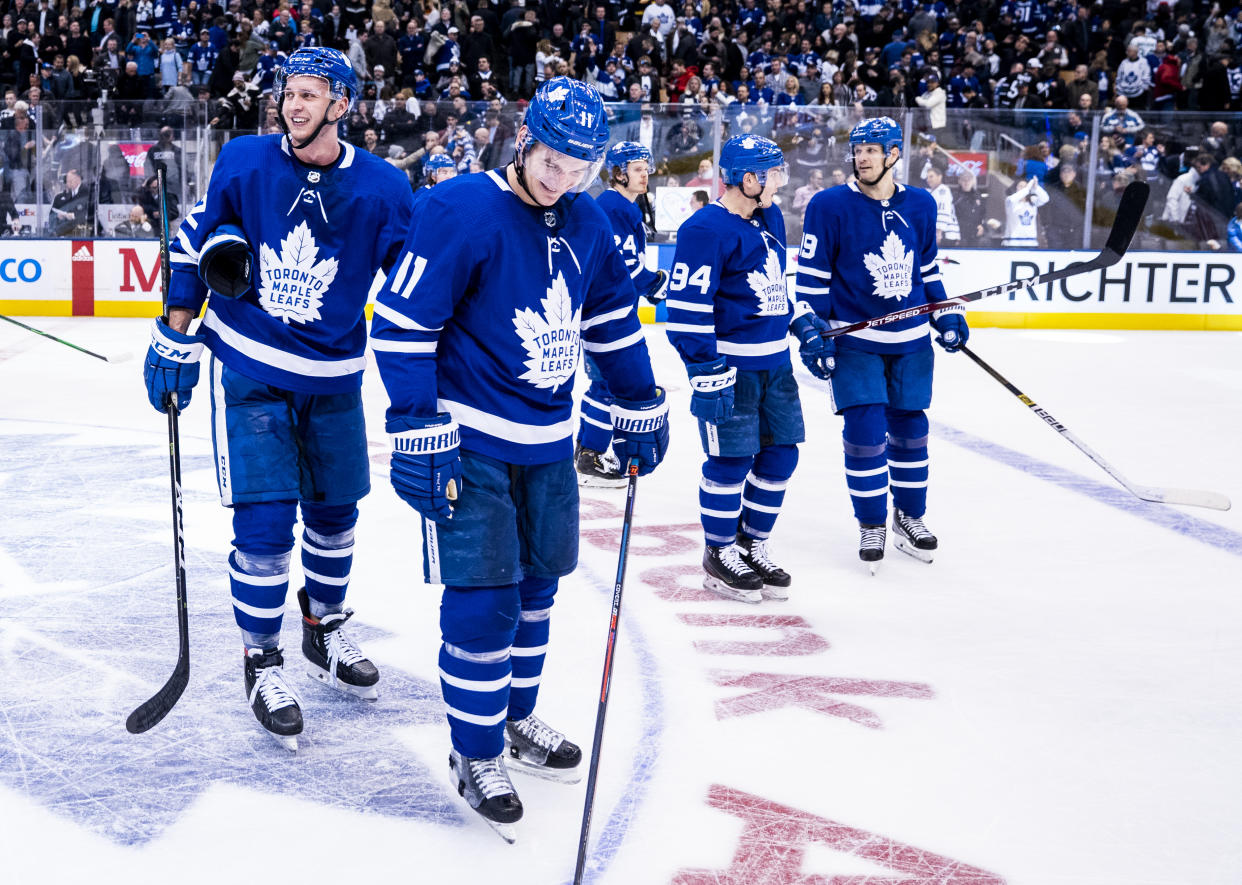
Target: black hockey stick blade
(152, 711)
(1129, 217)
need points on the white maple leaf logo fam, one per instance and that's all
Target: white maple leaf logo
(769, 287)
(893, 269)
(551, 339)
(292, 284)
(558, 94)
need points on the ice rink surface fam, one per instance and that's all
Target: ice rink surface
(1055, 701)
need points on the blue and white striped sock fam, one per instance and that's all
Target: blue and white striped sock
(476, 685)
(530, 648)
(258, 585)
(326, 563)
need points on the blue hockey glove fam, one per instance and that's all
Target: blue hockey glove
(711, 390)
(171, 366)
(640, 430)
(656, 293)
(819, 354)
(951, 324)
(426, 464)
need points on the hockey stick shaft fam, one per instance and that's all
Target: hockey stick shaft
(1155, 494)
(606, 685)
(98, 356)
(1129, 216)
(157, 707)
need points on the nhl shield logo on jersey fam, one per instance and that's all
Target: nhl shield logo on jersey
(292, 284)
(769, 287)
(551, 339)
(892, 270)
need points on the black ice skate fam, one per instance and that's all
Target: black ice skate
(871, 545)
(730, 576)
(274, 702)
(485, 785)
(597, 470)
(911, 537)
(536, 749)
(332, 657)
(755, 553)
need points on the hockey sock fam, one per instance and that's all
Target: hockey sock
(765, 489)
(595, 412)
(258, 584)
(720, 497)
(907, 460)
(477, 625)
(327, 555)
(530, 645)
(866, 462)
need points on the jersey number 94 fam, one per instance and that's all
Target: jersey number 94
(681, 277)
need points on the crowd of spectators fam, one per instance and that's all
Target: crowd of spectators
(451, 76)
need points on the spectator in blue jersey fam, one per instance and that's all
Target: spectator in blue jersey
(202, 59)
(1234, 231)
(868, 249)
(629, 166)
(728, 316)
(505, 276)
(287, 338)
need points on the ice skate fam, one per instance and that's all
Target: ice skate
(871, 545)
(776, 580)
(332, 657)
(597, 470)
(274, 702)
(485, 785)
(538, 750)
(729, 576)
(911, 537)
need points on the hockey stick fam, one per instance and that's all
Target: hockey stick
(1156, 494)
(602, 712)
(156, 708)
(115, 358)
(1129, 216)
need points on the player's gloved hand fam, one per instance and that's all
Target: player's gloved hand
(640, 430)
(426, 464)
(656, 293)
(171, 365)
(951, 324)
(224, 263)
(711, 390)
(819, 354)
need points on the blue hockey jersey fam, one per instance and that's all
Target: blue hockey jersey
(727, 294)
(862, 258)
(319, 236)
(630, 236)
(488, 309)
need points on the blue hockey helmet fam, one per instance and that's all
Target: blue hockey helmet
(751, 153)
(884, 131)
(326, 64)
(437, 163)
(622, 154)
(568, 116)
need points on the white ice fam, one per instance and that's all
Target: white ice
(1054, 701)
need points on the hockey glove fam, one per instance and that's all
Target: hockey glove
(711, 390)
(426, 464)
(656, 293)
(224, 262)
(171, 366)
(819, 354)
(640, 430)
(951, 324)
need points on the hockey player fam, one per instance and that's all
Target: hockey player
(436, 168)
(628, 165)
(869, 248)
(286, 365)
(504, 276)
(728, 315)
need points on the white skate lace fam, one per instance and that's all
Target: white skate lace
(731, 559)
(913, 526)
(538, 732)
(490, 777)
(760, 556)
(340, 648)
(270, 685)
(872, 537)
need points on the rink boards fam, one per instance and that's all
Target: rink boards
(1146, 290)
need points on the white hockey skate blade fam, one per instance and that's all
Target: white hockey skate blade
(556, 775)
(288, 741)
(508, 832)
(720, 588)
(774, 593)
(873, 567)
(364, 692)
(586, 481)
(910, 550)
